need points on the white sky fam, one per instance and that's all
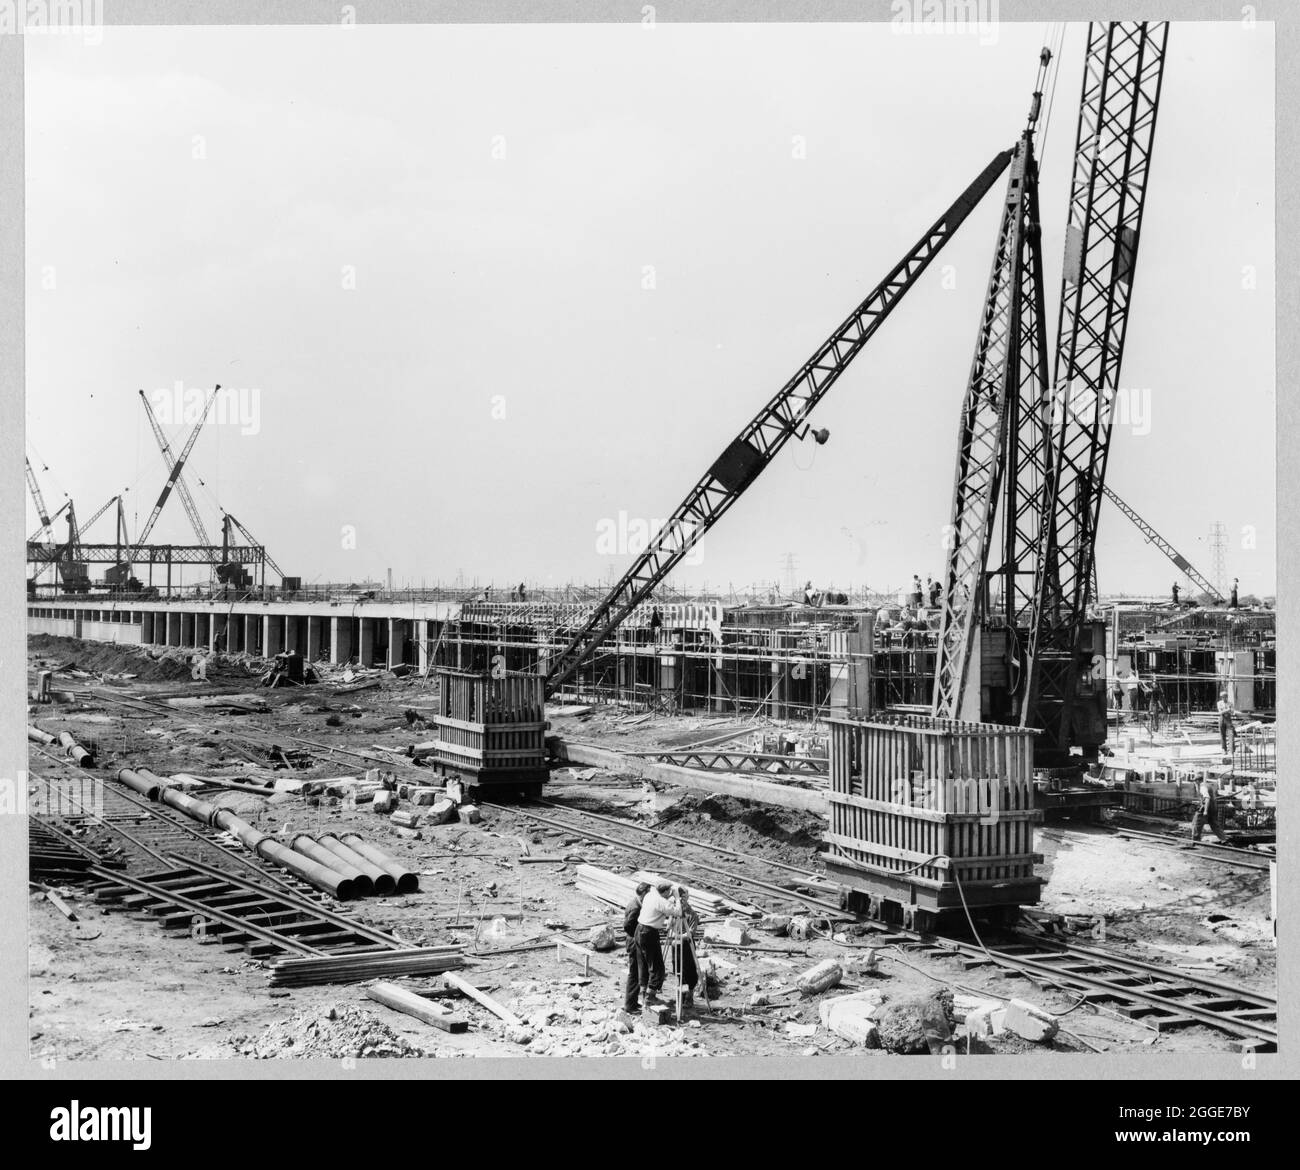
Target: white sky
(522, 277)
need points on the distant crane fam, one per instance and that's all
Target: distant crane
(182, 489)
(248, 536)
(37, 498)
(175, 475)
(1181, 562)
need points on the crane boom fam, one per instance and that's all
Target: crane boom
(1123, 69)
(174, 476)
(782, 418)
(182, 488)
(50, 522)
(1181, 562)
(1001, 443)
(248, 536)
(37, 498)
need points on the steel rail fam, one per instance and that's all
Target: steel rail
(767, 887)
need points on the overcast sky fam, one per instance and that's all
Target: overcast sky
(396, 236)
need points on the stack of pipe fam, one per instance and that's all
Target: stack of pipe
(407, 880)
(331, 879)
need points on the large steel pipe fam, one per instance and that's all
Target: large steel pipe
(76, 751)
(383, 881)
(143, 782)
(407, 881)
(36, 735)
(324, 877)
(361, 880)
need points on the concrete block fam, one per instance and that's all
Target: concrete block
(440, 812)
(801, 1030)
(1029, 1021)
(385, 802)
(406, 820)
(422, 796)
(777, 924)
(727, 931)
(284, 784)
(964, 1005)
(851, 1017)
(469, 813)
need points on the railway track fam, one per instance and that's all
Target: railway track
(289, 919)
(1226, 854)
(1157, 997)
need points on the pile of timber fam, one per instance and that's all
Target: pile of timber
(617, 889)
(302, 971)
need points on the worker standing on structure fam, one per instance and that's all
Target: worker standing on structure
(635, 966)
(658, 909)
(656, 623)
(1227, 732)
(1232, 601)
(1174, 591)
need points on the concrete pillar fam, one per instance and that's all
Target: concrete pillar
(366, 651)
(340, 639)
(423, 634)
(272, 634)
(313, 637)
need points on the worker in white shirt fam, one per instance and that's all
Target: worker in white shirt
(1227, 733)
(658, 910)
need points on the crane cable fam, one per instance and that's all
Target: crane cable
(1055, 42)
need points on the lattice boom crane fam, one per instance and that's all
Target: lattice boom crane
(785, 416)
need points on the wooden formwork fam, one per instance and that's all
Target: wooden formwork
(919, 804)
(491, 730)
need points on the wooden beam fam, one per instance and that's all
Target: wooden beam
(467, 988)
(401, 1000)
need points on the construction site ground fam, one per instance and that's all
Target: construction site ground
(110, 986)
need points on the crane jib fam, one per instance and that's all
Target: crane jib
(782, 418)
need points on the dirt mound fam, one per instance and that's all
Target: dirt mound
(336, 1032)
(784, 825)
(148, 664)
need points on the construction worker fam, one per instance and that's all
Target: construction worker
(635, 979)
(689, 926)
(658, 909)
(1174, 591)
(1206, 812)
(1227, 732)
(1156, 705)
(656, 623)
(916, 591)
(1232, 602)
